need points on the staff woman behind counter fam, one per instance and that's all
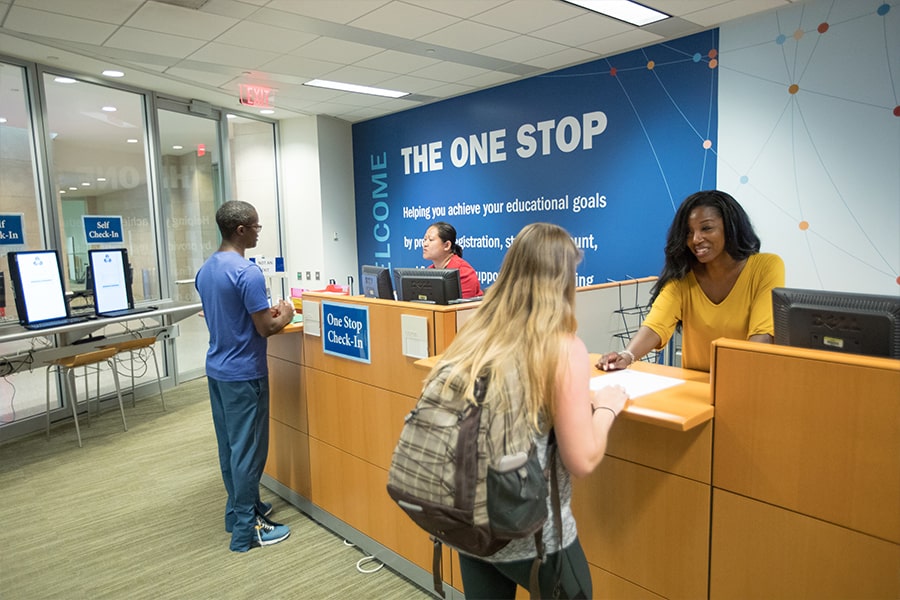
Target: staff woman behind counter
(440, 247)
(714, 282)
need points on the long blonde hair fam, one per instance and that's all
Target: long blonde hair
(524, 320)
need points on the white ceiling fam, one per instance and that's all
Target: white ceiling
(434, 49)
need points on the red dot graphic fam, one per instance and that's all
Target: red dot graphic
(822, 28)
(897, 111)
(612, 72)
(713, 53)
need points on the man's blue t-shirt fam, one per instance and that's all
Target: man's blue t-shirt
(231, 289)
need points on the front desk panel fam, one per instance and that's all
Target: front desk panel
(773, 520)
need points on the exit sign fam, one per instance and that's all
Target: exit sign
(255, 95)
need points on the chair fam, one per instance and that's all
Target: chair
(67, 366)
(136, 345)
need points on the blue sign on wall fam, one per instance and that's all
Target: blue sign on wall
(607, 149)
(345, 331)
(102, 230)
(11, 229)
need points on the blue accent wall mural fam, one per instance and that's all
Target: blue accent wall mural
(607, 149)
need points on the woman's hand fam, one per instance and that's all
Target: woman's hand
(614, 361)
(612, 397)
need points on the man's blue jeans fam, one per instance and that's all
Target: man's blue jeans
(240, 411)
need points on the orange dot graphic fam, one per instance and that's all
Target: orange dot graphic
(650, 65)
(898, 281)
(798, 34)
(804, 225)
(612, 72)
(713, 53)
(794, 88)
(822, 28)
(713, 64)
(707, 144)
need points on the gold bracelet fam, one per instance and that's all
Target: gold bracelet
(629, 354)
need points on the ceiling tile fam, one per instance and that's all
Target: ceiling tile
(336, 50)
(204, 76)
(489, 79)
(236, 56)
(396, 62)
(467, 35)
(581, 30)
(264, 37)
(231, 8)
(525, 16)
(716, 15)
(352, 74)
(57, 26)
(404, 20)
(616, 44)
(307, 68)
(95, 10)
(127, 38)
(409, 83)
(180, 21)
(558, 60)
(450, 89)
(449, 72)
(522, 49)
(334, 10)
(458, 8)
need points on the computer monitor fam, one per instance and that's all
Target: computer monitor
(37, 286)
(376, 282)
(110, 280)
(434, 286)
(839, 321)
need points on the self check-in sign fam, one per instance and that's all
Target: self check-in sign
(102, 229)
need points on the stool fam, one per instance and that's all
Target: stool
(136, 345)
(67, 367)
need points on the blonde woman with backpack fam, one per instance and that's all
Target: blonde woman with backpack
(526, 325)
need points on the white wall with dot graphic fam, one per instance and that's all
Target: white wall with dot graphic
(809, 139)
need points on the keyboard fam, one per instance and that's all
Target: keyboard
(127, 311)
(55, 323)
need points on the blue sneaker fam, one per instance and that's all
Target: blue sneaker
(267, 533)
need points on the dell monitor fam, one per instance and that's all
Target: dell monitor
(838, 321)
(376, 282)
(434, 286)
(37, 286)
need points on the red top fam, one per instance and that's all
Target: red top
(468, 279)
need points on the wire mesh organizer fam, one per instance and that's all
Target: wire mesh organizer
(633, 312)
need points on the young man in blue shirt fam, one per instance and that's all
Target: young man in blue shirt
(237, 312)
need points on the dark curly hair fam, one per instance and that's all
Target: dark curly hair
(740, 239)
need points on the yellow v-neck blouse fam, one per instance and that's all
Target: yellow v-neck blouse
(746, 311)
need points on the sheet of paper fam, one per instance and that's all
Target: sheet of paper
(635, 383)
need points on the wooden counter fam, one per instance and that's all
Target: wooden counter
(804, 500)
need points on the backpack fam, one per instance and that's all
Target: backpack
(468, 473)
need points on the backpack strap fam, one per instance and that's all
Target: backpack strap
(534, 584)
(437, 569)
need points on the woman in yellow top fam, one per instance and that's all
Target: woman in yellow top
(715, 283)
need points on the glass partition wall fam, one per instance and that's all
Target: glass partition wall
(73, 147)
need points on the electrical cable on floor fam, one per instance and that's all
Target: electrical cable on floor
(364, 560)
